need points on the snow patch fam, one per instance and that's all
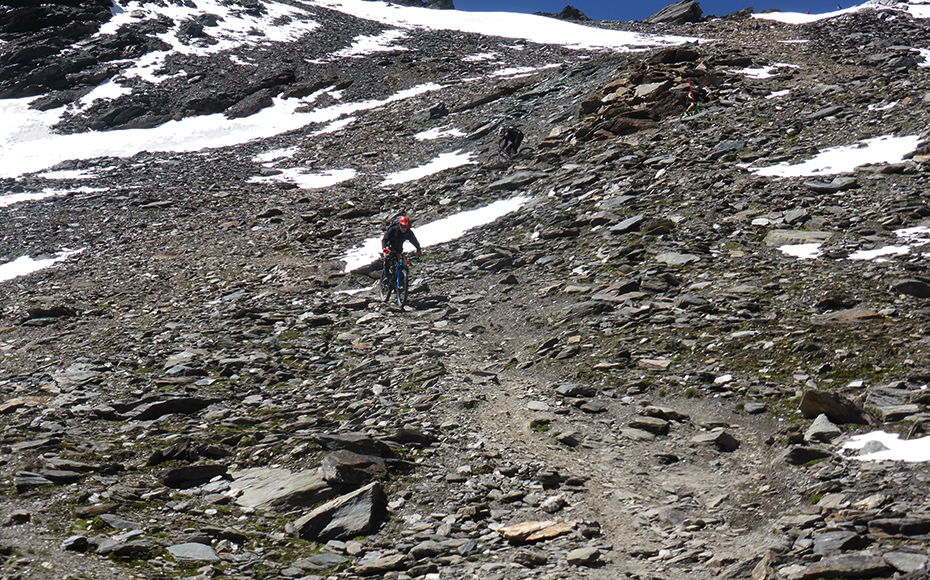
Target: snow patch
(438, 133)
(764, 72)
(441, 163)
(306, 179)
(25, 265)
(365, 45)
(802, 251)
(275, 154)
(28, 144)
(885, 149)
(896, 449)
(8, 200)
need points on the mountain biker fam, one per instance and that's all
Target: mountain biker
(510, 139)
(393, 241)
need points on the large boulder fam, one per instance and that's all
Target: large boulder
(269, 488)
(677, 13)
(837, 407)
(345, 517)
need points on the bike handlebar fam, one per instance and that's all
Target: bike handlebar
(410, 256)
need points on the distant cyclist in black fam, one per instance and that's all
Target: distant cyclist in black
(393, 241)
(510, 140)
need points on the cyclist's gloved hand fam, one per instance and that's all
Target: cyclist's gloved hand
(419, 253)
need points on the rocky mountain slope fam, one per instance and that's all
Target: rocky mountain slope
(626, 378)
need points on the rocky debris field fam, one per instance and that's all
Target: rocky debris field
(626, 378)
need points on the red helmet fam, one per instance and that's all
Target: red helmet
(404, 221)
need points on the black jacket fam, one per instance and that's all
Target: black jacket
(511, 139)
(394, 239)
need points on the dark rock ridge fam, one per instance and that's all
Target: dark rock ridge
(626, 378)
(569, 13)
(36, 53)
(434, 4)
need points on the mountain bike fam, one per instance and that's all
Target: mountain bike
(504, 154)
(396, 280)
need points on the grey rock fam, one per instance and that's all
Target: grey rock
(666, 413)
(25, 480)
(676, 259)
(427, 549)
(344, 467)
(651, 91)
(74, 375)
(907, 526)
(801, 521)
(911, 287)
(671, 516)
(837, 407)
(17, 517)
(183, 450)
(586, 309)
(345, 517)
(896, 413)
(186, 477)
(576, 390)
(836, 542)
(907, 562)
(271, 488)
(321, 561)
(677, 13)
(594, 406)
(411, 436)
(618, 291)
(583, 556)
(822, 431)
(719, 438)
(629, 225)
(119, 523)
(838, 184)
(382, 564)
(127, 550)
(847, 566)
(568, 438)
(823, 113)
(75, 543)
(637, 434)
(800, 455)
(60, 475)
(193, 552)
(653, 425)
(554, 504)
(181, 405)
(872, 447)
(724, 147)
(778, 238)
(796, 216)
(531, 558)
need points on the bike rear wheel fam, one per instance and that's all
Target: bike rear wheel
(385, 287)
(402, 288)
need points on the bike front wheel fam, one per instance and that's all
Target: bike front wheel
(402, 288)
(385, 287)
